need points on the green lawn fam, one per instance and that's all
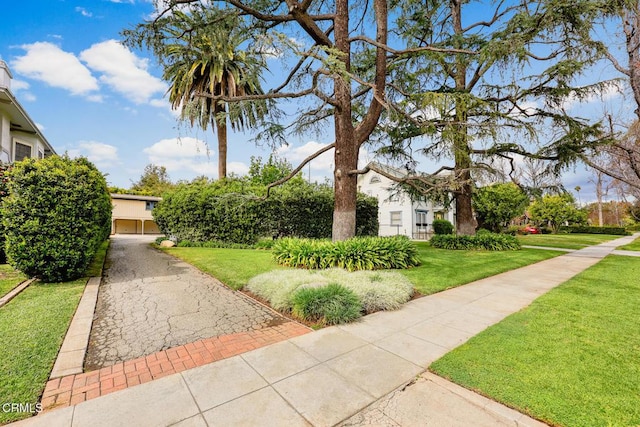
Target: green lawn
(9, 279)
(633, 246)
(572, 358)
(32, 328)
(440, 268)
(565, 241)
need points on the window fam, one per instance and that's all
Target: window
(374, 180)
(396, 218)
(40, 154)
(23, 151)
(394, 197)
(438, 215)
(421, 218)
(150, 205)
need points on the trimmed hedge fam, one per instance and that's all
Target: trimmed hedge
(481, 241)
(359, 253)
(616, 231)
(235, 214)
(442, 226)
(57, 215)
(4, 192)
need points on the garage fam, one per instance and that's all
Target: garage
(127, 226)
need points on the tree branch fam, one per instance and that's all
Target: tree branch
(299, 168)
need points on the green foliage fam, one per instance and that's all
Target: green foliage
(496, 205)
(57, 215)
(481, 241)
(271, 171)
(442, 226)
(583, 229)
(4, 192)
(153, 182)
(231, 211)
(359, 253)
(556, 210)
(329, 305)
(212, 244)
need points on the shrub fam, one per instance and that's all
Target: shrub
(232, 211)
(359, 253)
(484, 240)
(329, 305)
(4, 192)
(442, 226)
(618, 231)
(56, 216)
(377, 290)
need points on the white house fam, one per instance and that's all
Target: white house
(19, 135)
(397, 213)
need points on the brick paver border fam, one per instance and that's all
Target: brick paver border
(73, 389)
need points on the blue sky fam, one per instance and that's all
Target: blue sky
(91, 96)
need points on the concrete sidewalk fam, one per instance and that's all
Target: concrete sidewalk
(329, 376)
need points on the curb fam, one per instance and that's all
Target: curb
(70, 358)
(15, 291)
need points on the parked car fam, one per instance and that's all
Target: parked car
(530, 229)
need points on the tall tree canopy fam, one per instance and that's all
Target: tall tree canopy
(461, 72)
(202, 53)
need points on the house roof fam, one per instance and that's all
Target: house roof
(20, 120)
(135, 197)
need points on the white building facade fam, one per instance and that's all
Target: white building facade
(397, 213)
(19, 136)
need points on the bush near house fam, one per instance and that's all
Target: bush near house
(56, 216)
(234, 211)
(359, 253)
(4, 192)
(442, 226)
(483, 240)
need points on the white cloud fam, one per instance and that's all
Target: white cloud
(40, 126)
(102, 155)
(297, 154)
(123, 71)
(48, 63)
(17, 85)
(84, 12)
(610, 92)
(183, 154)
(21, 89)
(237, 168)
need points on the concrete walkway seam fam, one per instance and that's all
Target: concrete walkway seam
(15, 291)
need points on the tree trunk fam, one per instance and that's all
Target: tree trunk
(221, 125)
(465, 224)
(346, 151)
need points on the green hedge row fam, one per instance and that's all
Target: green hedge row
(617, 231)
(360, 253)
(481, 241)
(213, 212)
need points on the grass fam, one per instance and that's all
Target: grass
(565, 241)
(440, 268)
(32, 329)
(9, 279)
(234, 267)
(443, 269)
(572, 358)
(633, 246)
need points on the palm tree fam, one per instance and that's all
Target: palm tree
(208, 59)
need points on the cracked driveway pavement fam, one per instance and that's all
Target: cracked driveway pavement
(150, 301)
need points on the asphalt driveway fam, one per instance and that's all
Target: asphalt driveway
(150, 301)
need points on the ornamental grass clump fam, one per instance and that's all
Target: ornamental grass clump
(359, 253)
(484, 240)
(379, 290)
(328, 305)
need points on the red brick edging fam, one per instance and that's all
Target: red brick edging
(73, 389)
